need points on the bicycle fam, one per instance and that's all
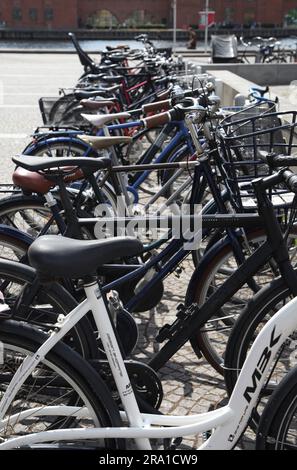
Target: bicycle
(117, 283)
(173, 257)
(53, 257)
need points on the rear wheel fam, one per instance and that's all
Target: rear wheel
(28, 214)
(43, 307)
(61, 380)
(61, 147)
(12, 245)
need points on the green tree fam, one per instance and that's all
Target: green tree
(292, 15)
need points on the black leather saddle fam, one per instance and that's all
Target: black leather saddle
(56, 257)
(104, 92)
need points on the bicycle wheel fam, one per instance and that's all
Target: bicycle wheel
(61, 147)
(219, 263)
(28, 214)
(141, 141)
(43, 307)
(13, 246)
(61, 105)
(252, 319)
(278, 423)
(61, 379)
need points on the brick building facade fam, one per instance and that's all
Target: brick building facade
(71, 14)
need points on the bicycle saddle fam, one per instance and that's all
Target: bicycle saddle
(117, 58)
(104, 142)
(33, 182)
(56, 257)
(104, 92)
(96, 105)
(100, 120)
(106, 67)
(48, 163)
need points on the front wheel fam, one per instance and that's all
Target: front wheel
(215, 268)
(258, 312)
(278, 425)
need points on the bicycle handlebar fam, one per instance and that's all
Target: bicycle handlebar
(261, 91)
(284, 175)
(158, 120)
(277, 161)
(177, 113)
(290, 180)
(164, 105)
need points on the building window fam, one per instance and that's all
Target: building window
(249, 16)
(102, 19)
(229, 14)
(49, 14)
(33, 14)
(17, 14)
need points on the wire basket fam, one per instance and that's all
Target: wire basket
(236, 113)
(185, 80)
(245, 142)
(53, 108)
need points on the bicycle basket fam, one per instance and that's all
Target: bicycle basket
(245, 141)
(45, 106)
(237, 113)
(54, 108)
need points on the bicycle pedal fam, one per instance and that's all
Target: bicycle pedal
(206, 435)
(164, 333)
(176, 442)
(178, 272)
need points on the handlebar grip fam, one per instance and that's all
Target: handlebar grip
(290, 179)
(277, 161)
(157, 106)
(157, 120)
(260, 91)
(163, 95)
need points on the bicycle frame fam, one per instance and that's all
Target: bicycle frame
(228, 422)
(174, 253)
(181, 136)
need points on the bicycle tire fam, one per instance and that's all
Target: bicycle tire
(62, 367)
(62, 102)
(201, 285)
(13, 212)
(83, 338)
(70, 145)
(29, 214)
(264, 303)
(12, 245)
(275, 420)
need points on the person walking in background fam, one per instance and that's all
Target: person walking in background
(192, 42)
